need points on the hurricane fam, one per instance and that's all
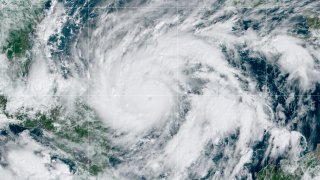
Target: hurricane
(160, 89)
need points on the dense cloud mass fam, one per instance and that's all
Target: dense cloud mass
(209, 89)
